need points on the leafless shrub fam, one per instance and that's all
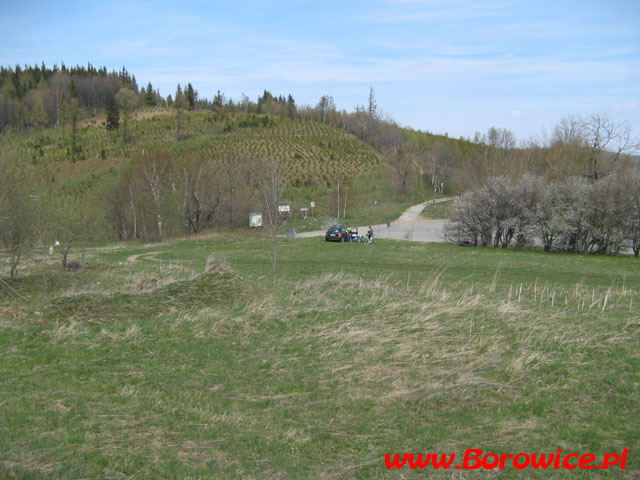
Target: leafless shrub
(573, 214)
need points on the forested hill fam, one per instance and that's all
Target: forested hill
(56, 116)
(192, 169)
(93, 138)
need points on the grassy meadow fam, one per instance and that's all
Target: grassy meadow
(181, 360)
(441, 210)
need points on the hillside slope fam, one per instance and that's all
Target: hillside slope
(312, 153)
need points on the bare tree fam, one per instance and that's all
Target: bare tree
(18, 212)
(566, 150)
(231, 183)
(493, 157)
(440, 161)
(59, 87)
(500, 138)
(272, 182)
(244, 103)
(200, 189)
(607, 140)
(325, 107)
(568, 131)
(74, 221)
(402, 155)
(153, 172)
(630, 184)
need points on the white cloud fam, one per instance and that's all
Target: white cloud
(517, 114)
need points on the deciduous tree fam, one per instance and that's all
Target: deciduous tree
(128, 101)
(607, 141)
(19, 210)
(325, 107)
(272, 182)
(199, 185)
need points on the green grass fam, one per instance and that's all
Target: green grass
(186, 363)
(359, 215)
(438, 210)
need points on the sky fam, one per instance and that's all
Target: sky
(445, 66)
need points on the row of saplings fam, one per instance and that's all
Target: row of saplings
(572, 215)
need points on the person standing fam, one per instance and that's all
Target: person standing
(370, 235)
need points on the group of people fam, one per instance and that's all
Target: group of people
(367, 239)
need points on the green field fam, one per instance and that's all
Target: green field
(438, 210)
(180, 360)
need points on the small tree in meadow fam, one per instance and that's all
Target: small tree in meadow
(272, 182)
(19, 208)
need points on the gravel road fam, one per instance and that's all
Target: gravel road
(410, 226)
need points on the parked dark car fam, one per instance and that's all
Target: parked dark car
(336, 234)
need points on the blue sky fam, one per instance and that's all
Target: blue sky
(454, 66)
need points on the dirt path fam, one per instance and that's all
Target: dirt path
(409, 226)
(149, 255)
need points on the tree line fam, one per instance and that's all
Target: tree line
(158, 195)
(162, 195)
(35, 97)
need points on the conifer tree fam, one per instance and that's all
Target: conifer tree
(180, 103)
(150, 96)
(191, 96)
(113, 114)
(72, 112)
(218, 100)
(291, 106)
(372, 109)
